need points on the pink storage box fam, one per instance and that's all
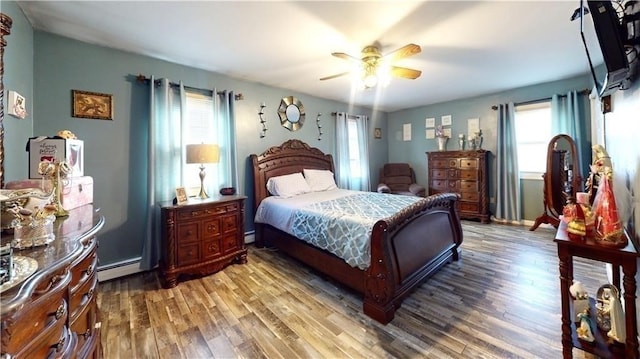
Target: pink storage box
(76, 191)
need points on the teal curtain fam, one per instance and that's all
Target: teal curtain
(165, 160)
(168, 132)
(508, 204)
(354, 176)
(225, 133)
(568, 116)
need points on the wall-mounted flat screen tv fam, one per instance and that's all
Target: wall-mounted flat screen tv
(602, 34)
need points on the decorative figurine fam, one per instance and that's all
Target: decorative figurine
(461, 142)
(618, 330)
(580, 299)
(608, 227)
(584, 330)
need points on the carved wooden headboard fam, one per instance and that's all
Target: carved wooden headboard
(290, 157)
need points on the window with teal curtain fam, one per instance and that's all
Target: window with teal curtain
(181, 116)
(352, 152)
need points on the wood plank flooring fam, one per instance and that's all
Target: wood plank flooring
(501, 300)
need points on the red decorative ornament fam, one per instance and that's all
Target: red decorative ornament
(609, 230)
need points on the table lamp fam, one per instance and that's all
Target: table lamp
(203, 153)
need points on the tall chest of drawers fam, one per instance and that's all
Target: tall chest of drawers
(464, 173)
(53, 313)
(201, 237)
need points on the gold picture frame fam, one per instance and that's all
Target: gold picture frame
(93, 105)
(181, 196)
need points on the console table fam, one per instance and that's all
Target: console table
(627, 259)
(53, 313)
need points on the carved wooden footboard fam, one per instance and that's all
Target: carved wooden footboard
(405, 249)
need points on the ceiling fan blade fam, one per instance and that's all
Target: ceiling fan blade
(405, 72)
(405, 51)
(344, 56)
(334, 76)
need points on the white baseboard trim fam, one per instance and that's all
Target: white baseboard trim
(132, 266)
(119, 269)
(523, 222)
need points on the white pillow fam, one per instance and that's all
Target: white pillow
(288, 185)
(320, 180)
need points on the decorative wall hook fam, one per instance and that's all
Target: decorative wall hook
(319, 126)
(262, 120)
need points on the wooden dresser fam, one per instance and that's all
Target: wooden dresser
(464, 173)
(201, 237)
(53, 313)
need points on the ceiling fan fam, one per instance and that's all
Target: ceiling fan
(374, 68)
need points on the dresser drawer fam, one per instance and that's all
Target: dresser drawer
(188, 253)
(83, 271)
(444, 163)
(470, 196)
(211, 228)
(469, 163)
(82, 296)
(198, 213)
(469, 207)
(211, 248)
(440, 185)
(48, 313)
(468, 175)
(229, 243)
(188, 232)
(437, 174)
(229, 224)
(84, 324)
(468, 186)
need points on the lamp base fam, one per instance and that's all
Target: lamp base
(203, 194)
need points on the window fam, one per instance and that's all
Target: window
(199, 127)
(533, 132)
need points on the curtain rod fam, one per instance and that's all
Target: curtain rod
(141, 78)
(582, 92)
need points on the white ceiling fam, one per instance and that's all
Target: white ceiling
(469, 48)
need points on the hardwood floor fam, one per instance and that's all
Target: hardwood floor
(501, 300)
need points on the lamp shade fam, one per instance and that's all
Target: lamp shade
(203, 153)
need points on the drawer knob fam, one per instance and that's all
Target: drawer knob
(60, 311)
(89, 270)
(80, 187)
(87, 334)
(90, 294)
(60, 344)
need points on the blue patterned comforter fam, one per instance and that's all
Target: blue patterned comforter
(343, 226)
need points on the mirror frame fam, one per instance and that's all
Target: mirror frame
(5, 29)
(551, 215)
(282, 112)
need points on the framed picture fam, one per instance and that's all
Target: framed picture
(94, 105)
(446, 120)
(181, 195)
(377, 132)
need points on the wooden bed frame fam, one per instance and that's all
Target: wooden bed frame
(405, 249)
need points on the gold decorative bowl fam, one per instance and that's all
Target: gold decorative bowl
(28, 198)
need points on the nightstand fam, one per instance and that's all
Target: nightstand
(201, 237)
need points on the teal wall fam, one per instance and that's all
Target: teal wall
(478, 107)
(115, 151)
(18, 76)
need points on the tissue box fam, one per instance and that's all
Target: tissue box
(55, 150)
(76, 191)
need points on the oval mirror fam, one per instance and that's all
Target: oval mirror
(291, 112)
(562, 179)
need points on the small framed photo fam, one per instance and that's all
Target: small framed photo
(93, 105)
(446, 120)
(181, 195)
(377, 132)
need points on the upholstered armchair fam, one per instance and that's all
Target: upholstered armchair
(399, 178)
